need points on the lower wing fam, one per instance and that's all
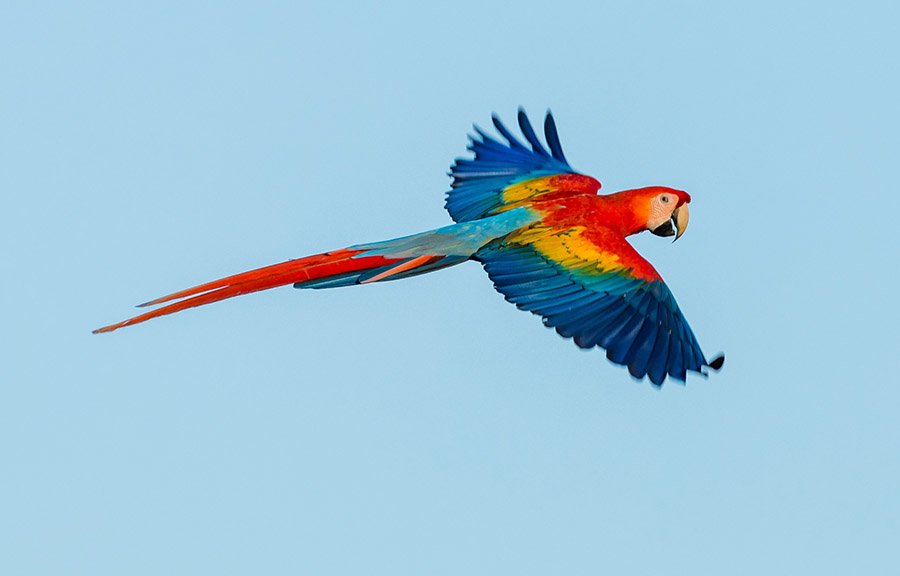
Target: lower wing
(600, 292)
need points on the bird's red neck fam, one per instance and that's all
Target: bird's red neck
(624, 212)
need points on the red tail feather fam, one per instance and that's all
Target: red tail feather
(300, 270)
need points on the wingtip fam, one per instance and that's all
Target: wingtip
(521, 114)
(479, 137)
(717, 362)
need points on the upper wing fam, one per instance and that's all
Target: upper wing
(501, 174)
(594, 287)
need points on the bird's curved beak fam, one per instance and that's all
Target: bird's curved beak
(681, 217)
(676, 225)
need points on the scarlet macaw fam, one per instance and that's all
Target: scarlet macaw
(547, 240)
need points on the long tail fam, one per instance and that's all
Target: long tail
(361, 264)
(340, 268)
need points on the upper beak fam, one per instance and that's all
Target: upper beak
(681, 217)
(676, 225)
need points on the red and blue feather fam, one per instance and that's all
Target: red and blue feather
(548, 241)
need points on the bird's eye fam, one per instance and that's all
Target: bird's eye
(664, 199)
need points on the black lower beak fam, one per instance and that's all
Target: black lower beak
(666, 229)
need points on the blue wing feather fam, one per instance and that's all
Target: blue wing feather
(552, 137)
(502, 129)
(528, 131)
(638, 322)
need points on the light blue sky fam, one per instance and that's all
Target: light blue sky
(426, 426)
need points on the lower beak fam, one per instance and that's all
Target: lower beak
(676, 225)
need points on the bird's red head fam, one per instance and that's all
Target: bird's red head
(660, 209)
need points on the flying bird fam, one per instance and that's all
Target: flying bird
(549, 242)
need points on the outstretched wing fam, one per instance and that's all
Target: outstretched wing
(504, 175)
(592, 286)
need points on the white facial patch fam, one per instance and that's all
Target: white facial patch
(661, 208)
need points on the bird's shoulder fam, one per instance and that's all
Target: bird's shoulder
(578, 231)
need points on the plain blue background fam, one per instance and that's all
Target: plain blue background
(426, 426)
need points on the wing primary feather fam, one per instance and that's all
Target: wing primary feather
(618, 349)
(687, 360)
(552, 136)
(641, 349)
(675, 364)
(619, 324)
(656, 369)
(528, 132)
(611, 314)
(694, 360)
(498, 124)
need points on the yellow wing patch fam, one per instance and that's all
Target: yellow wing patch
(562, 184)
(568, 248)
(526, 189)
